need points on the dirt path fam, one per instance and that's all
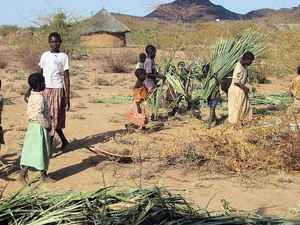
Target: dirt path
(96, 123)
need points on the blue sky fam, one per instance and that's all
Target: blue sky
(21, 12)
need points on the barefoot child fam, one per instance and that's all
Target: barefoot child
(36, 149)
(150, 67)
(140, 64)
(139, 110)
(213, 100)
(54, 65)
(295, 91)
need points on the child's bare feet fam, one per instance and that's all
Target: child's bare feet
(22, 179)
(46, 179)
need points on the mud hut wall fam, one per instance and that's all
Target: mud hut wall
(104, 39)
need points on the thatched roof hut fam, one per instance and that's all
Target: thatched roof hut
(104, 30)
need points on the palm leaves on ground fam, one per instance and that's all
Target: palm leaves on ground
(226, 55)
(107, 206)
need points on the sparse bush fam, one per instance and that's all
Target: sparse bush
(80, 105)
(118, 61)
(11, 70)
(74, 95)
(21, 128)
(7, 29)
(29, 56)
(78, 117)
(3, 61)
(9, 87)
(101, 81)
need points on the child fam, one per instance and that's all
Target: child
(238, 101)
(213, 100)
(53, 64)
(295, 91)
(139, 110)
(150, 68)
(140, 64)
(36, 148)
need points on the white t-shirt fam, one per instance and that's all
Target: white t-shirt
(53, 64)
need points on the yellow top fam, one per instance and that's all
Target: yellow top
(295, 87)
(140, 93)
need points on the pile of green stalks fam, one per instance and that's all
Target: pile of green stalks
(108, 206)
(281, 100)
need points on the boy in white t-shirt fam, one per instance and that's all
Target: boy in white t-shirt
(54, 65)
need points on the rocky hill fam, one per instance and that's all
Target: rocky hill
(195, 10)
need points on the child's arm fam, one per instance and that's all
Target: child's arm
(67, 88)
(156, 76)
(243, 87)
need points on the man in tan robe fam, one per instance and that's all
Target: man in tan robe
(238, 101)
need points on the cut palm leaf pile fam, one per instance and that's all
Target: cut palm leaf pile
(108, 206)
(282, 99)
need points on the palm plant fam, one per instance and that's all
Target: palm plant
(157, 95)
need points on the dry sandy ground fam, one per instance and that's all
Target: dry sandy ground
(95, 124)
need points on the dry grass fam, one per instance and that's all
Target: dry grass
(117, 61)
(29, 57)
(101, 82)
(77, 117)
(264, 144)
(3, 61)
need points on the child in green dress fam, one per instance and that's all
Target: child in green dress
(36, 149)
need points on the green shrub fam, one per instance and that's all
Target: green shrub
(6, 29)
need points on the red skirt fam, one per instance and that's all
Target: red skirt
(139, 119)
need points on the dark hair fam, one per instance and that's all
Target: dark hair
(139, 72)
(143, 57)
(248, 55)
(35, 79)
(299, 70)
(150, 48)
(54, 34)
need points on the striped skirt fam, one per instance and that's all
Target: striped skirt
(56, 99)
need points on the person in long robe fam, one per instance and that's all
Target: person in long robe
(238, 100)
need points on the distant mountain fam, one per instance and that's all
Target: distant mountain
(281, 15)
(207, 11)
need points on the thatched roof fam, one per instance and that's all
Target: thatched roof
(103, 21)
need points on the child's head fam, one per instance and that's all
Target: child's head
(36, 81)
(151, 51)
(142, 57)
(140, 74)
(298, 73)
(205, 69)
(248, 58)
(54, 41)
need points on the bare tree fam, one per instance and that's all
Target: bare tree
(178, 12)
